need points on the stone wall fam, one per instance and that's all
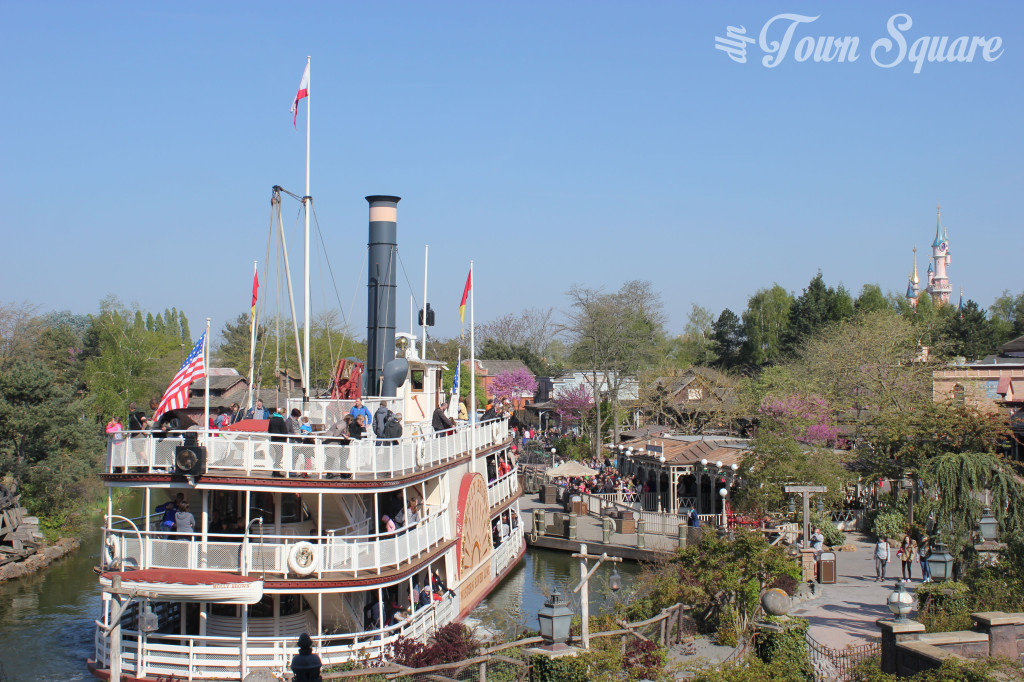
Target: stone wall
(907, 649)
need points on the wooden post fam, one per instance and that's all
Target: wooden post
(482, 673)
(585, 597)
(806, 491)
(115, 639)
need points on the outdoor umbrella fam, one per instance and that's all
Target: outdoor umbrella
(570, 469)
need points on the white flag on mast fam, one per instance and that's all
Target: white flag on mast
(301, 94)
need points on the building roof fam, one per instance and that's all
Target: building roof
(689, 453)
(644, 432)
(494, 367)
(1014, 346)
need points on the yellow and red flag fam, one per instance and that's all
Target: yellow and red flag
(462, 305)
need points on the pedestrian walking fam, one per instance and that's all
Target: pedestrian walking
(923, 552)
(881, 558)
(907, 555)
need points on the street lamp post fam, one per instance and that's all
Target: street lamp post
(584, 587)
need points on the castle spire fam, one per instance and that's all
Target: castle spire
(914, 278)
(939, 232)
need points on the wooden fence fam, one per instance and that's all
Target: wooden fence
(510, 661)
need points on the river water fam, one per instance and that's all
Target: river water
(46, 619)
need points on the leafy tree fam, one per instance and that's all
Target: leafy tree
(46, 447)
(866, 365)
(896, 443)
(614, 336)
(233, 350)
(967, 333)
(871, 300)
(776, 460)
(958, 476)
(698, 336)
(19, 329)
(765, 324)
(1007, 316)
(734, 572)
(496, 349)
(530, 329)
(727, 333)
(817, 307)
(128, 364)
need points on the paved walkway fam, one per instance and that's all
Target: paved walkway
(845, 613)
(841, 614)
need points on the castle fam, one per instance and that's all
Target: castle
(938, 280)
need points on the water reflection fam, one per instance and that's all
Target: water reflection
(513, 605)
(46, 619)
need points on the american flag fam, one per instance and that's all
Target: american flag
(194, 367)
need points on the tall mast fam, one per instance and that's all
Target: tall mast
(426, 307)
(472, 373)
(252, 337)
(307, 201)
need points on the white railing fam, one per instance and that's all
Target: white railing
(348, 555)
(654, 522)
(305, 456)
(191, 657)
(503, 488)
(508, 550)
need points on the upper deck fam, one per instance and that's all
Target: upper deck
(235, 453)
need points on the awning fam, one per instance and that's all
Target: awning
(570, 469)
(182, 585)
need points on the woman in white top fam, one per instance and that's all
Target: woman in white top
(184, 522)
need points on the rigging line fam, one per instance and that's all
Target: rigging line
(327, 329)
(334, 282)
(411, 289)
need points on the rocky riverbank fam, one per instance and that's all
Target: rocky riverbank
(43, 557)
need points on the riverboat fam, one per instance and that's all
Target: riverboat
(291, 533)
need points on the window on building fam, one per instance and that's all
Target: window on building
(694, 394)
(958, 394)
(416, 379)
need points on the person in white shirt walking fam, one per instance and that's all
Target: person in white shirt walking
(881, 558)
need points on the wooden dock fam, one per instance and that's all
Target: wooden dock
(589, 531)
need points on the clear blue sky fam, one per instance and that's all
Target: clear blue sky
(553, 142)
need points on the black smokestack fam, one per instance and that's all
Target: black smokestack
(380, 315)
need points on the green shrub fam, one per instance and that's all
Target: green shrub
(944, 607)
(889, 524)
(725, 632)
(787, 646)
(751, 669)
(833, 536)
(952, 670)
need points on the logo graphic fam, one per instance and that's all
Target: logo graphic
(786, 35)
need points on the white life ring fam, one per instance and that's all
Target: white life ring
(110, 550)
(421, 452)
(303, 558)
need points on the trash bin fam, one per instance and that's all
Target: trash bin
(577, 506)
(827, 568)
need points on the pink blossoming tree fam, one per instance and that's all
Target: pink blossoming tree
(514, 385)
(806, 418)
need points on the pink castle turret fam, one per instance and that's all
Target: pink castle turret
(938, 279)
